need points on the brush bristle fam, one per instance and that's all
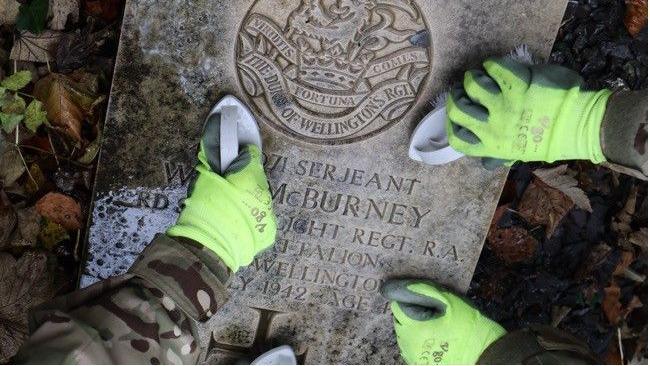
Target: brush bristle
(439, 100)
(521, 54)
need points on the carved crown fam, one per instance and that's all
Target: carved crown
(327, 38)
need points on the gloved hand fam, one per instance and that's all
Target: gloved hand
(230, 214)
(436, 327)
(527, 113)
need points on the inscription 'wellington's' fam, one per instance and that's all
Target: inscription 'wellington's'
(338, 71)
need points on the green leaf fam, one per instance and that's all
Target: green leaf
(91, 152)
(10, 121)
(15, 104)
(17, 81)
(52, 234)
(33, 16)
(35, 115)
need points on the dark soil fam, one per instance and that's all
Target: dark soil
(567, 278)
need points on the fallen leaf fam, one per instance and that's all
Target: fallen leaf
(52, 234)
(11, 166)
(636, 16)
(8, 223)
(558, 313)
(72, 52)
(10, 121)
(24, 283)
(543, 205)
(13, 104)
(17, 81)
(29, 225)
(640, 354)
(35, 115)
(635, 303)
(107, 10)
(596, 257)
(623, 220)
(62, 209)
(91, 152)
(611, 305)
(640, 239)
(32, 16)
(61, 11)
(35, 47)
(626, 259)
(67, 102)
(613, 354)
(513, 244)
(558, 178)
(34, 185)
(8, 11)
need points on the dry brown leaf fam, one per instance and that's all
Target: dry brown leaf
(67, 101)
(626, 259)
(11, 166)
(596, 257)
(544, 205)
(558, 313)
(8, 11)
(612, 306)
(640, 239)
(513, 244)
(35, 47)
(613, 354)
(61, 209)
(52, 234)
(29, 225)
(623, 220)
(559, 179)
(635, 303)
(61, 10)
(24, 283)
(636, 16)
(8, 223)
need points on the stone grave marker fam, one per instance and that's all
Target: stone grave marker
(337, 87)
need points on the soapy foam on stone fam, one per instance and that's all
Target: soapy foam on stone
(123, 231)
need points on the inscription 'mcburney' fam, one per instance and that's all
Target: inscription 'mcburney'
(350, 216)
(339, 71)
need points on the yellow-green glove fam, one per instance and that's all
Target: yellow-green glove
(231, 215)
(436, 327)
(514, 111)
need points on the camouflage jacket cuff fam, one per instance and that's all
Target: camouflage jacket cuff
(193, 277)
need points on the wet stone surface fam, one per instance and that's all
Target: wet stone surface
(336, 111)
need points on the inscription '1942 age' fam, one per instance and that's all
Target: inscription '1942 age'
(338, 71)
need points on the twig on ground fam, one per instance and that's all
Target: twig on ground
(20, 153)
(620, 345)
(76, 246)
(49, 138)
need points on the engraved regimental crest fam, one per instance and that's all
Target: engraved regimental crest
(332, 71)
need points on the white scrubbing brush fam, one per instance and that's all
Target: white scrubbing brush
(429, 142)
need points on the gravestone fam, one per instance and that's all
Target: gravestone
(337, 87)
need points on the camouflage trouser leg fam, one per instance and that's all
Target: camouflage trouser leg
(144, 317)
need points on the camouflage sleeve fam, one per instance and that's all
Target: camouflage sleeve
(538, 345)
(624, 134)
(147, 316)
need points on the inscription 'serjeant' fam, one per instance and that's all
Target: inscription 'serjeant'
(318, 75)
(338, 71)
